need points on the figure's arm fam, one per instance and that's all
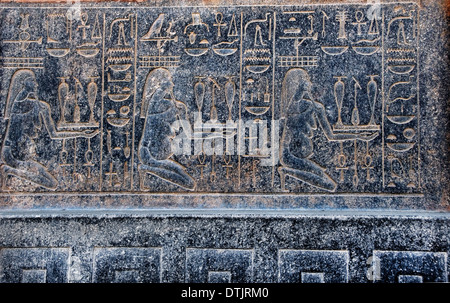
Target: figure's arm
(54, 133)
(183, 119)
(325, 124)
(328, 131)
(182, 110)
(23, 94)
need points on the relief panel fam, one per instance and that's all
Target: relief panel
(282, 100)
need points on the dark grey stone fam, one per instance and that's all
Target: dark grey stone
(313, 266)
(307, 105)
(219, 265)
(190, 142)
(34, 265)
(127, 264)
(226, 246)
(411, 267)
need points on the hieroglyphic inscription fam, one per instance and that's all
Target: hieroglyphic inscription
(286, 99)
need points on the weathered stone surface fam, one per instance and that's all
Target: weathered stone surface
(191, 246)
(268, 105)
(307, 139)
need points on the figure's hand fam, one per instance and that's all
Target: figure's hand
(182, 109)
(89, 133)
(180, 105)
(367, 136)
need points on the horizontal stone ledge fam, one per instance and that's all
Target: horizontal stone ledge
(218, 2)
(226, 213)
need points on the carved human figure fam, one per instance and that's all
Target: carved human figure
(161, 110)
(299, 117)
(27, 117)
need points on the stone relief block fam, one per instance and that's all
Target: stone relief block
(410, 266)
(127, 265)
(103, 100)
(312, 266)
(219, 265)
(148, 247)
(34, 265)
(312, 105)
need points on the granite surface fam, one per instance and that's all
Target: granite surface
(190, 246)
(228, 141)
(144, 105)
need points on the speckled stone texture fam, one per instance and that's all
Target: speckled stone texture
(224, 141)
(231, 246)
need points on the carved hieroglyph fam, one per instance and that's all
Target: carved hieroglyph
(283, 99)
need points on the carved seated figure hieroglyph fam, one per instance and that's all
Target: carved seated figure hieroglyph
(27, 117)
(156, 142)
(299, 117)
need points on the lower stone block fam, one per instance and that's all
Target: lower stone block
(409, 266)
(147, 247)
(34, 265)
(312, 266)
(219, 265)
(127, 265)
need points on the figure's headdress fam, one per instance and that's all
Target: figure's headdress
(15, 87)
(154, 80)
(294, 81)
